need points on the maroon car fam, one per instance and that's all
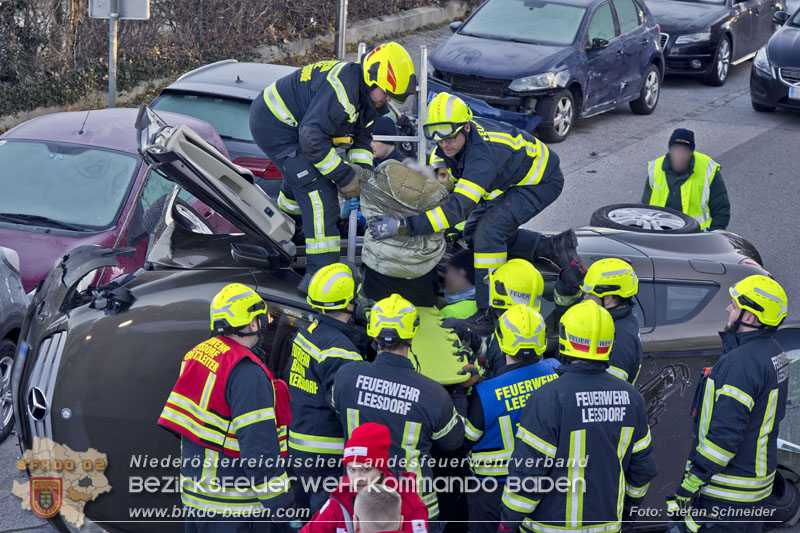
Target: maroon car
(72, 179)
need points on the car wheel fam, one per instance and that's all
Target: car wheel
(644, 219)
(722, 64)
(558, 114)
(651, 90)
(7, 351)
(761, 108)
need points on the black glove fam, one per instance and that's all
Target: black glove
(467, 336)
(573, 274)
(363, 305)
(451, 235)
(383, 227)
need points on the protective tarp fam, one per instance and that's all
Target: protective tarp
(438, 351)
(398, 191)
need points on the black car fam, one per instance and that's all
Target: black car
(705, 37)
(13, 304)
(775, 76)
(560, 59)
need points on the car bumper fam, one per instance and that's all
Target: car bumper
(489, 107)
(695, 59)
(768, 90)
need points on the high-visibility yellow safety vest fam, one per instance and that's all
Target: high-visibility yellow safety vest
(695, 191)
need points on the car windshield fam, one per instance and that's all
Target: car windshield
(230, 117)
(63, 185)
(532, 21)
(795, 19)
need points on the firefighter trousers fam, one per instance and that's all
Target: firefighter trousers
(304, 190)
(493, 228)
(484, 507)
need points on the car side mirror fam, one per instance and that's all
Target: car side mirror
(597, 44)
(455, 25)
(255, 256)
(780, 17)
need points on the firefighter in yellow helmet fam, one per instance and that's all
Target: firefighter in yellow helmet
(504, 177)
(738, 408)
(495, 408)
(585, 415)
(226, 404)
(301, 119)
(318, 352)
(417, 410)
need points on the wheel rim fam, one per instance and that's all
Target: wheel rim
(724, 59)
(191, 218)
(651, 89)
(6, 402)
(649, 219)
(563, 116)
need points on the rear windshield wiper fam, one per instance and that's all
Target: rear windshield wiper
(20, 218)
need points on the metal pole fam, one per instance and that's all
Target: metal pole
(422, 104)
(113, 22)
(341, 25)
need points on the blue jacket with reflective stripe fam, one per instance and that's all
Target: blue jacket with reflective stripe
(738, 408)
(496, 156)
(599, 423)
(505, 396)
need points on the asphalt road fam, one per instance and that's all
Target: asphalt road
(605, 162)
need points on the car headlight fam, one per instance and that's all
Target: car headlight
(690, 38)
(547, 80)
(761, 62)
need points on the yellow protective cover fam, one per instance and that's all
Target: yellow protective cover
(437, 349)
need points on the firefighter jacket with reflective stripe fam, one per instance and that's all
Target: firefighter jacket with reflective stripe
(197, 409)
(337, 513)
(496, 156)
(738, 408)
(695, 191)
(418, 412)
(323, 101)
(495, 407)
(208, 476)
(317, 354)
(588, 431)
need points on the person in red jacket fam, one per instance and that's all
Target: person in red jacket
(366, 457)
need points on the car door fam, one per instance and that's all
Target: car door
(635, 41)
(743, 24)
(603, 70)
(764, 27)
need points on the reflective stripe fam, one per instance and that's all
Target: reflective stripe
(323, 246)
(252, 417)
(737, 394)
(306, 346)
(651, 175)
(410, 442)
(342, 354)
(530, 525)
(278, 107)
(471, 432)
(318, 210)
(359, 155)
(617, 372)
(328, 163)
(518, 503)
(437, 219)
(206, 396)
(636, 492)
(448, 106)
(691, 524)
(577, 452)
(711, 169)
(352, 420)
(288, 205)
(735, 495)
(642, 444)
(199, 431)
(316, 443)
(207, 417)
(210, 462)
(449, 426)
(536, 443)
(744, 482)
(495, 462)
(714, 453)
(565, 301)
(707, 410)
(764, 433)
(341, 94)
(471, 190)
(490, 260)
(625, 437)
(538, 166)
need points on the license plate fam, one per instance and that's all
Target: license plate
(794, 93)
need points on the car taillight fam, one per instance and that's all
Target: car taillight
(750, 262)
(262, 168)
(658, 27)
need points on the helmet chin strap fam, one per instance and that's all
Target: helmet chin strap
(737, 325)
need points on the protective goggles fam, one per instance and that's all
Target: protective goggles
(439, 131)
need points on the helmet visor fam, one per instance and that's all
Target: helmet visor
(438, 131)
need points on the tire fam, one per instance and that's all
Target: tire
(611, 217)
(8, 349)
(761, 108)
(558, 115)
(722, 64)
(651, 90)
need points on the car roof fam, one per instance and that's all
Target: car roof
(230, 78)
(112, 129)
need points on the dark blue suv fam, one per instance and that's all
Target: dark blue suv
(559, 59)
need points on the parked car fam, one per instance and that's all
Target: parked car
(147, 321)
(561, 60)
(13, 303)
(775, 75)
(71, 179)
(705, 37)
